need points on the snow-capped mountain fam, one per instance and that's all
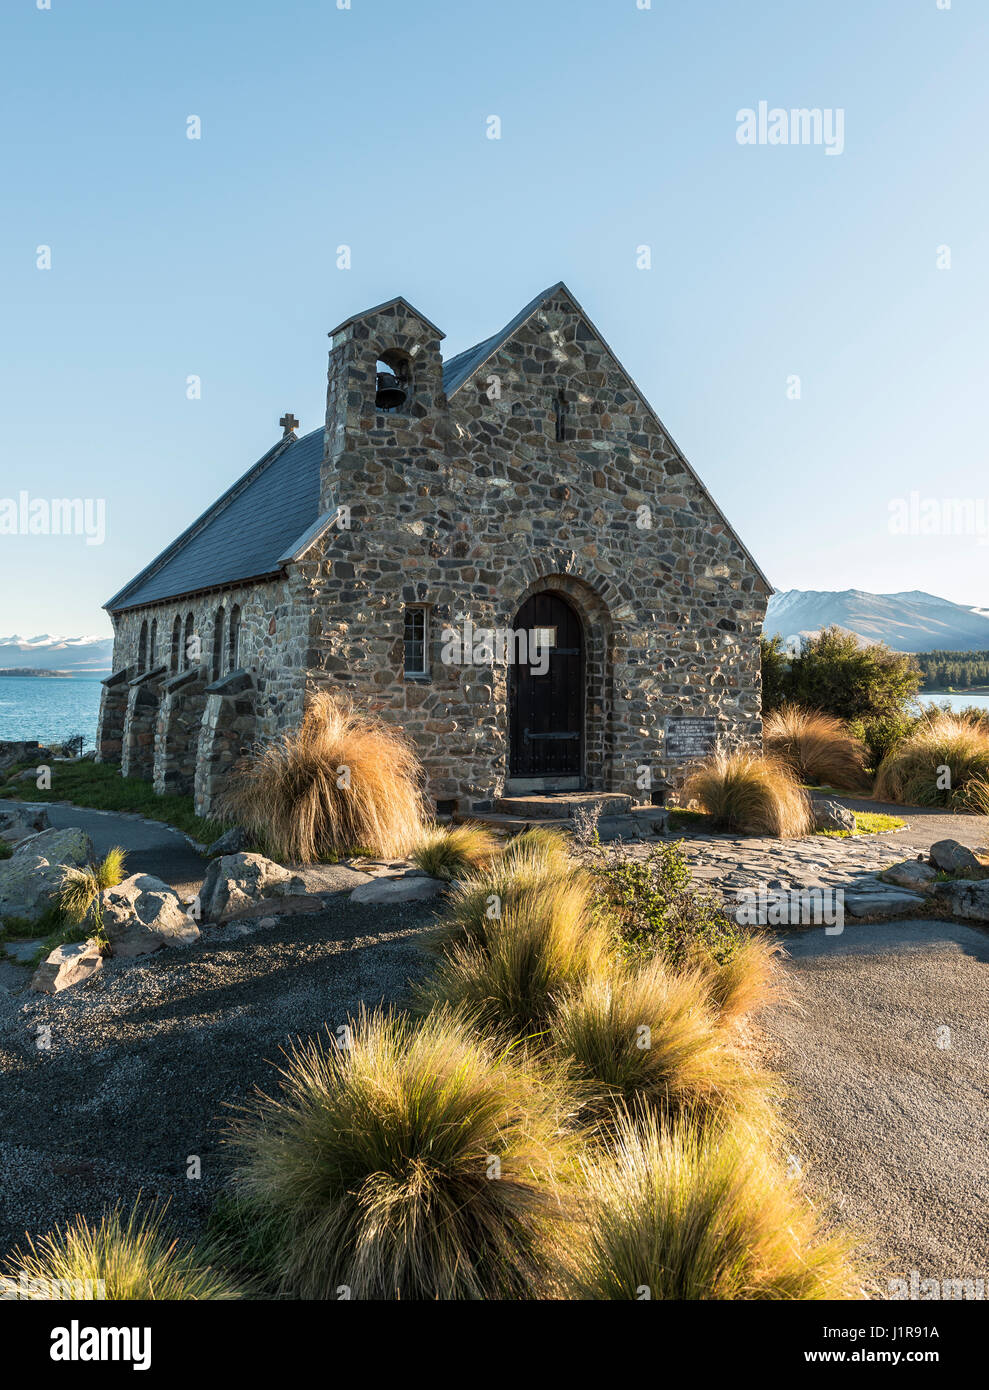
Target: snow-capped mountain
(77, 655)
(908, 622)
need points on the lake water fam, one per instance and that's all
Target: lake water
(49, 708)
(956, 701)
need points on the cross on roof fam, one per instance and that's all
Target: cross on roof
(288, 422)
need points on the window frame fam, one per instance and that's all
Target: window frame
(411, 610)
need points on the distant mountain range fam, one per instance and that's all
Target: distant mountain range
(909, 622)
(79, 656)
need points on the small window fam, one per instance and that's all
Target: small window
(233, 639)
(415, 642)
(216, 669)
(153, 649)
(142, 647)
(560, 410)
(187, 652)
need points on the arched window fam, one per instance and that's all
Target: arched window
(217, 665)
(187, 645)
(392, 382)
(142, 647)
(176, 643)
(233, 639)
(153, 645)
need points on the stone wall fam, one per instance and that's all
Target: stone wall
(113, 714)
(180, 715)
(471, 507)
(228, 729)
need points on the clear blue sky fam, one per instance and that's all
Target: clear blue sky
(216, 257)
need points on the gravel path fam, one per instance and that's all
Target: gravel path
(142, 1060)
(885, 1048)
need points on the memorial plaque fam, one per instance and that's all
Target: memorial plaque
(689, 737)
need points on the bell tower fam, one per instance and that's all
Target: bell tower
(384, 392)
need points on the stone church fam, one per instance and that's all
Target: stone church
(404, 552)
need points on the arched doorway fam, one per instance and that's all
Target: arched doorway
(546, 694)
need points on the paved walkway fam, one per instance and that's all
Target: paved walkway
(885, 1048)
(151, 849)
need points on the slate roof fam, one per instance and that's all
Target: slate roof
(272, 512)
(245, 534)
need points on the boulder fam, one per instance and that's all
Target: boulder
(142, 914)
(31, 878)
(236, 882)
(397, 890)
(22, 818)
(230, 842)
(894, 902)
(831, 815)
(965, 897)
(912, 873)
(67, 965)
(952, 858)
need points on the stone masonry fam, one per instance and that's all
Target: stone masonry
(534, 466)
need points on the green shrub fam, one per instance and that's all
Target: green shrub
(415, 1163)
(836, 674)
(881, 733)
(655, 909)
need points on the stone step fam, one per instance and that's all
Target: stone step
(561, 806)
(639, 822)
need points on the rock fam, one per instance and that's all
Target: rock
(397, 890)
(142, 914)
(23, 951)
(21, 819)
(831, 815)
(951, 857)
(236, 882)
(230, 842)
(30, 880)
(889, 903)
(912, 873)
(965, 897)
(67, 965)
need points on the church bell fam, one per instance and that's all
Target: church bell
(390, 393)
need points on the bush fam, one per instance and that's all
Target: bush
(448, 853)
(912, 772)
(653, 907)
(506, 975)
(834, 673)
(881, 733)
(700, 1213)
(134, 1258)
(648, 1034)
(755, 795)
(341, 781)
(381, 1159)
(817, 747)
(742, 980)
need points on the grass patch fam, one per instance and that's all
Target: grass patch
(339, 781)
(6, 849)
(417, 1163)
(448, 853)
(132, 1257)
(914, 771)
(100, 786)
(702, 1213)
(866, 823)
(682, 819)
(816, 746)
(750, 794)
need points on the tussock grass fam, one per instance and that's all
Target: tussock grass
(755, 795)
(650, 1035)
(746, 980)
(817, 747)
(910, 772)
(341, 781)
(538, 848)
(449, 853)
(702, 1213)
(81, 887)
(132, 1256)
(504, 970)
(418, 1163)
